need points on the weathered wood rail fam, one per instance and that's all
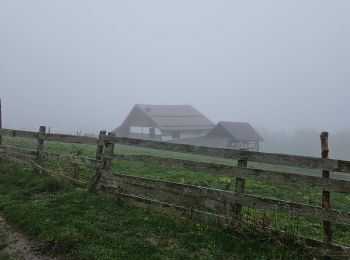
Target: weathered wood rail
(270, 158)
(215, 201)
(276, 177)
(195, 200)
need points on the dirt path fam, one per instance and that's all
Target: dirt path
(18, 246)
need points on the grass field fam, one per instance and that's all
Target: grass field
(291, 224)
(79, 225)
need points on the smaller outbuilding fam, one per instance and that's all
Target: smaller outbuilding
(236, 135)
(232, 135)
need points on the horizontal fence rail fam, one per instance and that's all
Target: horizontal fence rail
(50, 137)
(280, 159)
(270, 158)
(214, 200)
(276, 177)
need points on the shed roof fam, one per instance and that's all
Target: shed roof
(238, 130)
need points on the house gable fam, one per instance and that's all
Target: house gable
(235, 130)
(136, 118)
(219, 131)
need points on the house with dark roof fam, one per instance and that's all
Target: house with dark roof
(164, 123)
(232, 135)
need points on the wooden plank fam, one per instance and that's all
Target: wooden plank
(342, 166)
(280, 178)
(170, 208)
(71, 139)
(18, 133)
(270, 158)
(232, 198)
(161, 193)
(50, 137)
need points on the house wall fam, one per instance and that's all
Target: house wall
(136, 118)
(144, 133)
(168, 135)
(143, 130)
(166, 138)
(217, 142)
(145, 137)
(190, 134)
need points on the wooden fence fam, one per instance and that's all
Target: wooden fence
(196, 201)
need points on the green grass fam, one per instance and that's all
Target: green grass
(74, 223)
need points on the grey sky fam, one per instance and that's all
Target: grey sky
(280, 65)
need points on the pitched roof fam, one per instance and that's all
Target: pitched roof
(176, 117)
(239, 130)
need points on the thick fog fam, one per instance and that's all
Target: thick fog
(82, 65)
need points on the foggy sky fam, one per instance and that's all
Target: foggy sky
(70, 65)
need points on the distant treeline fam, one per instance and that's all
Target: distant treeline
(306, 142)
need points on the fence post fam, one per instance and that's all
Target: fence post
(239, 187)
(108, 154)
(326, 203)
(105, 154)
(99, 152)
(40, 148)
